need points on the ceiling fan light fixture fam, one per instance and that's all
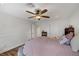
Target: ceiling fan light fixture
(38, 17)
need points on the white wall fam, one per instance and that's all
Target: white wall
(55, 27)
(13, 31)
(74, 20)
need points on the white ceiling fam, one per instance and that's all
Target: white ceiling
(55, 10)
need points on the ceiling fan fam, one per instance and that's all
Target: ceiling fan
(38, 14)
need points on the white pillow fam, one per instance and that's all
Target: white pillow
(54, 37)
(75, 43)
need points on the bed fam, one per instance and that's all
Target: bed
(44, 46)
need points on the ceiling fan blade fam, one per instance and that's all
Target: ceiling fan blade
(45, 16)
(30, 12)
(44, 11)
(31, 17)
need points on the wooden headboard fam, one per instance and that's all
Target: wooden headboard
(69, 29)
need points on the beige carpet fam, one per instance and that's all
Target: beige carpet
(43, 46)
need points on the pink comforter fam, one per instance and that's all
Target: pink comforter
(44, 46)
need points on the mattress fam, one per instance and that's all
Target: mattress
(43, 46)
